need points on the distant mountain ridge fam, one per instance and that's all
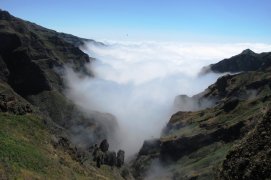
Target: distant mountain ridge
(245, 61)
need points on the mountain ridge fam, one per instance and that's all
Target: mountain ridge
(247, 60)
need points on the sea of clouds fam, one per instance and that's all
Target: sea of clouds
(138, 81)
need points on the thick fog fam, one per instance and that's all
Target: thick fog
(137, 82)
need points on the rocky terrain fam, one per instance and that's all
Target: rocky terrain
(225, 137)
(251, 158)
(42, 133)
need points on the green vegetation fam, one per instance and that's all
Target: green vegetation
(57, 106)
(26, 152)
(15, 134)
(212, 133)
(201, 162)
(21, 145)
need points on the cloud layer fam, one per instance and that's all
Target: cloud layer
(137, 82)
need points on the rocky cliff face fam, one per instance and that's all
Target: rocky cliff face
(26, 46)
(200, 144)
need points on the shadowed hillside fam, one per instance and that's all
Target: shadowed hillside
(246, 61)
(39, 132)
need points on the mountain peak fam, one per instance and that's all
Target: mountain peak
(247, 51)
(246, 61)
(4, 15)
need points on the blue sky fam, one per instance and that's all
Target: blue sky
(166, 20)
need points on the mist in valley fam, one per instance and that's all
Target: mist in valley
(137, 83)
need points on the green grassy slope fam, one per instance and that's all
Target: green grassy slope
(26, 152)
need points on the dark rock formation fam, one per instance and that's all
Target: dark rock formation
(230, 104)
(104, 146)
(110, 158)
(150, 147)
(25, 77)
(9, 42)
(259, 84)
(175, 149)
(12, 103)
(102, 156)
(246, 61)
(251, 159)
(29, 53)
(120, 158)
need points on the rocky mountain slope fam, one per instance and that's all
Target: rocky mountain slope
(251, 159)
(40, 128)
(225, 140)
(246, 61)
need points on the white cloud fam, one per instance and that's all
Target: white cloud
(137, 82)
